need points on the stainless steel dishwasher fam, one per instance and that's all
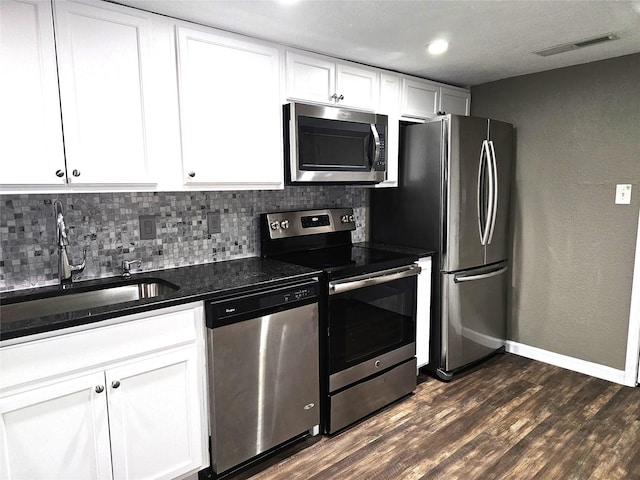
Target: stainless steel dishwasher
(263, 372)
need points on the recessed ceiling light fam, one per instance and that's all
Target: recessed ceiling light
(438, 47)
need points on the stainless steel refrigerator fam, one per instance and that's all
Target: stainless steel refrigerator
(453, 199)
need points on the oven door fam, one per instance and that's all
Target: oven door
(372, 324)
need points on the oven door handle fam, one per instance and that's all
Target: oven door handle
(362, 281)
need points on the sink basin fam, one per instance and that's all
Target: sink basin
(96, 297)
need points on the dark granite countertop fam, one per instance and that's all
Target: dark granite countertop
(197, 283)
(420, 252)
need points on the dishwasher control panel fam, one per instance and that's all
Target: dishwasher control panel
(242, 307)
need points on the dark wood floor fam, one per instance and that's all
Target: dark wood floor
(512, 418)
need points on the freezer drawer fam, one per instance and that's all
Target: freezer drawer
(474, 315)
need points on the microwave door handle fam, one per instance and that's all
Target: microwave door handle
(376, 141)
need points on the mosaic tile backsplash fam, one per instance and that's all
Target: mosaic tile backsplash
(108, 224)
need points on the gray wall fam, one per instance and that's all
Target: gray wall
(577, 136)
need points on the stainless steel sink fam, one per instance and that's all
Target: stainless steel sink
(98, 297)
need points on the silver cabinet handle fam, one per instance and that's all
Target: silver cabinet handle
(361, 281)
(59, 173)
(76, 173)
(99, 388)
(115, 384)
(192, 174)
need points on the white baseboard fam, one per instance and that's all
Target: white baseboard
(570, 363)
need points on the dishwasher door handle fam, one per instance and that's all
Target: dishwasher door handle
(361, 281)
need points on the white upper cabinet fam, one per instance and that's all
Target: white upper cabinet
(122, 99)
(423, 99)
(105, 71)
(322, 80)
(230, 111)
(455, 100)
(390, 86)
(309, 78)
(356, 86)
(30, 130)
(419, 98)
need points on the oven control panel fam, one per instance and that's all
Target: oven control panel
(311, 221)
(308, 222)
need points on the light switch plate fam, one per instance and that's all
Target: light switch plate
(213, 222)
(623, 194)
(147, 227)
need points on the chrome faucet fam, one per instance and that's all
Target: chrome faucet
(65, 269)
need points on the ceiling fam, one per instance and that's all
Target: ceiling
(489, 40)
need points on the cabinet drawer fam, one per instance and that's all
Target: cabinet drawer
(73, 352)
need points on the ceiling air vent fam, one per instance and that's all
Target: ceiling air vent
(575, 45)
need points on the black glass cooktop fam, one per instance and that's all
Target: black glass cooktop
(344, 261)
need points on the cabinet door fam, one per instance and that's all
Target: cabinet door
(419, 99)
(357, 87)
(455, 101)
(230, 111)
(155, 416)
(310, 79)
(30, 129)
(423, 314)
(104, 62)
(389, 105)
(59, 430)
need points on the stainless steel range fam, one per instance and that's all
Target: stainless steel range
(367, 311)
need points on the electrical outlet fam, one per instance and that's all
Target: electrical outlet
(623, 194)
(213, 222)
(147, 227)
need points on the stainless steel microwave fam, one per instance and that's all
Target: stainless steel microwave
(333, 145)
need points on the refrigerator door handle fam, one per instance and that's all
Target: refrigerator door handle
(494, 199)
(479, 199)
(484, 166)
(470, 278)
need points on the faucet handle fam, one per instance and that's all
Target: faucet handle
(79, 268)
(128, 264)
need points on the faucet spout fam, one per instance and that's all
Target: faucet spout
(65, 268)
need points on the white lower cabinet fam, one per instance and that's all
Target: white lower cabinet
(423, 315)
(56, 430)
(140, 416)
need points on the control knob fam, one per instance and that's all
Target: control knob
(284, 224)
(344, 218)
(274, 225)
(351, 218)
